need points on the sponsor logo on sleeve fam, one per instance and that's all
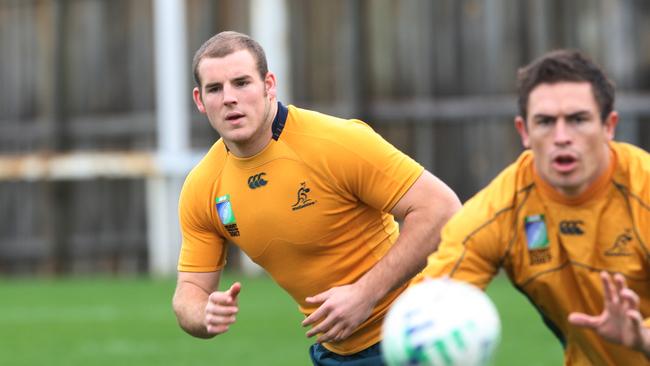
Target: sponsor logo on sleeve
(226, 215)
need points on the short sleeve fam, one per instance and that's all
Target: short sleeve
(371, 168)
(203, 248)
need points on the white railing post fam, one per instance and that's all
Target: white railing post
(172, 115)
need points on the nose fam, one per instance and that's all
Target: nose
(229, 96)
(561, 133)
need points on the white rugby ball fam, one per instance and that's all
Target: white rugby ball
(441, 322)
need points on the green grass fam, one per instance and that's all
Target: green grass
(127, 321)
(525, 340)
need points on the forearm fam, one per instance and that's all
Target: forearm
(189, 305)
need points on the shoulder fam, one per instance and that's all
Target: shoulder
(632, 158)
(504, 189)
(350, 155)
(206, 171)
(633, 168)
(324, 128)
(338, 140)
(499, 199)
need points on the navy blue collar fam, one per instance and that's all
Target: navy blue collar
(279, 121)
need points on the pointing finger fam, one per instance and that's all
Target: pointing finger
(234, 290)
(611, 296)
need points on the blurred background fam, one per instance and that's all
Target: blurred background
(97, 125)
(98, 128)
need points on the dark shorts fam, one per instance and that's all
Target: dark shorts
(321, 356)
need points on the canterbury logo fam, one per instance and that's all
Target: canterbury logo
(302, 200)
(571, 227)
(257, 180)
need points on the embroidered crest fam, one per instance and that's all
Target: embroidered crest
(302, 197)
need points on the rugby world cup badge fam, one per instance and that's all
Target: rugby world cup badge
(226, 214)
(537, 239)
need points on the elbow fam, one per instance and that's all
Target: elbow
(445, 208)
(454, 205)
(187, 321)
(200, 335)
(448, 206)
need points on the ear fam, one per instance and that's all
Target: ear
(610, 125)
(270, 85)
(196, 95)
(520, 125)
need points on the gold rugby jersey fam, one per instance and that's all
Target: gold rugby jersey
(553, 248)
(311, 209)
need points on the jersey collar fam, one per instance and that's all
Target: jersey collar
(279, 121)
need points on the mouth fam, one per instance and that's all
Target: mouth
(234, 116)
(564, 163)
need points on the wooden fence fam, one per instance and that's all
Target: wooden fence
(435, 77)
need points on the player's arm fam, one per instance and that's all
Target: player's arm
(424, 209)
(201, 310)
(621, 321)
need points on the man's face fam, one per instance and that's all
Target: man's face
(567, 136)
(237, 101)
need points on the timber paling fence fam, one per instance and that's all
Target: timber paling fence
(436, 78)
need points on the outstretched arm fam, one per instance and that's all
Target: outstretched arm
(201, 311)
(621, 321)
(424, 209)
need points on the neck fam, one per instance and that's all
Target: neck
(573, 192)
(584, 192)
(260, 139)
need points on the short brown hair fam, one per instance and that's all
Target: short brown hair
(565, 65)
(225, 43)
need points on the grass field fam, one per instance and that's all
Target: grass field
(127, 321)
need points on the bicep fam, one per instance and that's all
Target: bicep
(430, 193)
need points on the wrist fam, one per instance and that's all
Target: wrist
(372, 294)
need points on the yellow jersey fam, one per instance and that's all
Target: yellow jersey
(311, 208)
(553, 248)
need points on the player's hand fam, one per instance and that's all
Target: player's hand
(342, 309)
(620, 322)
(221, 309)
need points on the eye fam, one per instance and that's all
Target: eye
(578, 119)
(544, 121)
(241, 82)
(213, 88)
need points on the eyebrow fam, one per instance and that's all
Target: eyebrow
(242, 78)
(579, 114)
(574, 114)
(542, 116)
(210, 85)
(237, 79)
